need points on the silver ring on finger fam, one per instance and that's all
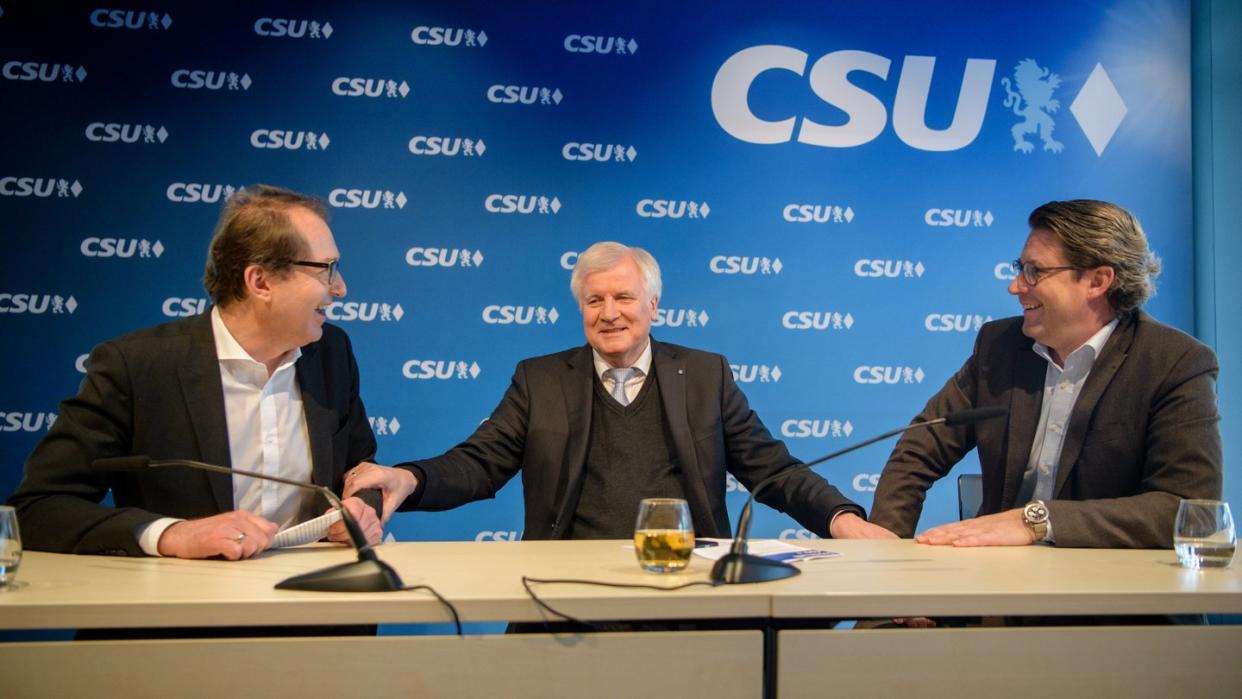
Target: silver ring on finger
(241, 536)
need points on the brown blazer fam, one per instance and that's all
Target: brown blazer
(1143, 434)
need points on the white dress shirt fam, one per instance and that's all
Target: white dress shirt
(267, 434)
(635, 383)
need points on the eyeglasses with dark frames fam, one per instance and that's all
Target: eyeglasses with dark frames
(331, 265)
(1033, 274)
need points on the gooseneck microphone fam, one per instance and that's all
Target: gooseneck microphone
(367, 574)
(738, 566)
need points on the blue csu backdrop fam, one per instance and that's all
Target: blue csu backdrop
(833, 194)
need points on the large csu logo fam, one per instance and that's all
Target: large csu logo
(866, 114)
(1029, 93)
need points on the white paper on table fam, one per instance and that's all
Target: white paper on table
(306, 532)
(771, 549)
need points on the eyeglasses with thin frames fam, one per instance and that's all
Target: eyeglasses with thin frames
(331, 265)
(1033, 274)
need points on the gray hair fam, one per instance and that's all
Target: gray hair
(1100, 234)
(605, 255)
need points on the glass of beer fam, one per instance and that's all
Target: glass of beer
(663, 535)
(1203, 535)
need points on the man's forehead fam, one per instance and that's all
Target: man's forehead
(624, 275)
(313, 230)
(1043, 244)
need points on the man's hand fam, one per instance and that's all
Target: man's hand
(233, 535)
(848, 525)
(1001, 529)
(395, 483)
(367, 521)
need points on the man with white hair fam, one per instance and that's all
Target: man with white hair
(597, 428)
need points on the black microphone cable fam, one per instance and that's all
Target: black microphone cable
(590, 625)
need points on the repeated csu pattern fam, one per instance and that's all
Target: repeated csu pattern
(833, 197)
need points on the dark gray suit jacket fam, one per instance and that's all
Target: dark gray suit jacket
(542, 428)
(157, 392)
(1143, 434)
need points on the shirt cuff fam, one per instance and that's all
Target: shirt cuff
(843, 510)
(149, 534)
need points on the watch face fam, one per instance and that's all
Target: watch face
(1035, 512)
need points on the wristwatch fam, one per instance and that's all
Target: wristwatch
(1035, 514)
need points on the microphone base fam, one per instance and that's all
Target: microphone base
(358, 576)
(742, 568)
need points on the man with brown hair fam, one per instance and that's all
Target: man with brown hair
(1112, 415)
(258, 383)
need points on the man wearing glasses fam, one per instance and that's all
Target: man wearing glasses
(1112, 415)
(259, 383)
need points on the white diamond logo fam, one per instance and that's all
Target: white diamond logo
(162, 134)
(556, 205)
(777, 265)
(81, 73)
(704, 210)
(918, 374)
(632, 46)
(158, 248)
(849, 215)
(553, 315)
(394, 426)
(401, 200)
(776, 373)
(474, 370)
(398, 312)
(477, 258)
(76, 188)
(404, 89)
(919, 268)
(480, 147)
(245, 81)
(71, 304)
(482, 38)
(630, 153)
(847, 428)
(849, 321)
(1099, 109)
(167, 21)
(324, 141)
(556, 95)
(703, 317)
(988, 219)
(327, 30)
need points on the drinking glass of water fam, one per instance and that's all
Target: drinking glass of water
(663, 535)
(10, 547)
(1203, 535)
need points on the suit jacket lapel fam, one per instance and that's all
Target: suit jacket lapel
(321, 420)
(1025, 402)
(1102, 372)
(577, 386)
(204, 401)
(671, 373)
